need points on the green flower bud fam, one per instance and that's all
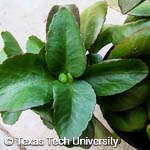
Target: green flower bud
(69, 77)
(62, 78)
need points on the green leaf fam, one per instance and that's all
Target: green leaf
(104, 37)
(75, 11)
(24, 83)
(71, 7)
(73, 108)
(128, 5)
(45, 112)
(87, 133)
(135, 46)
(100, 132)
(122, 32)
(130, 19)
(11, 47)
(48, 124)
(65, 52)
(127, 121)
(3, 56)
(142, 10)
(92, 20)
(10, 118)
(34, 45)
(94, 58)
(115, 76)
(51, 14)
(127, 100)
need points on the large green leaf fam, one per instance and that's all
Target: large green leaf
(3, 56)
(122, 32)
(115, 76)
(35, 45)
(92, 20)
(24, 83)
(128, 5)
(142, 10)
(127, 100)
(10, 118)
(11, 47)
(73, 108)
(104, 37)
(45, 112)
(71, 7)
(127, 121)
(135, 46)
(64, 49)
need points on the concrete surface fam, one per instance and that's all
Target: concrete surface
(24, 18)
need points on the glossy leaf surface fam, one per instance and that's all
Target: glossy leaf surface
(128, 5)
(115, 76)
(73, 108)
(135, 46)
(65, 52)
(24, 83)
(92, 20)
(142, 10)
(122, 32)
(127, 100)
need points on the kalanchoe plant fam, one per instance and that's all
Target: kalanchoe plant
(60, 79)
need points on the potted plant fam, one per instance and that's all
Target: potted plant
(63, 78)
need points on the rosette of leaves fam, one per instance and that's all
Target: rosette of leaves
(128, 111)
(60, 79)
